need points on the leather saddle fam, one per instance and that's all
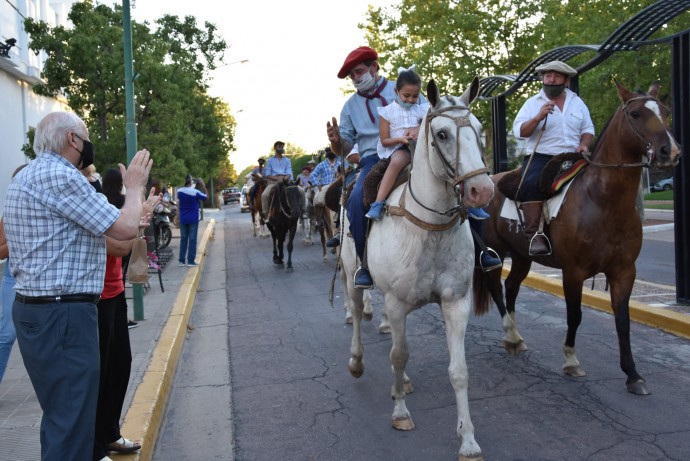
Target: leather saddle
(560, 170)
(374, 178)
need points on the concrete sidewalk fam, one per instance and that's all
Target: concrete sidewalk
(156, 345)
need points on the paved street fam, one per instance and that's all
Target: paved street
(263, 376)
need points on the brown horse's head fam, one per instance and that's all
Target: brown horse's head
(647, 118)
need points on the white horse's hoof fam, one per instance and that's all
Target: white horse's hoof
(385, 329)
(403, 424)
(367, 315)
(356, 368)
(478, 457)
(325, 258)
(348, 320)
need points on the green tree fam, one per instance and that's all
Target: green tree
(452, 41)
(186, 130)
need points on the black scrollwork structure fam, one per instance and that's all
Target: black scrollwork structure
(630, 36)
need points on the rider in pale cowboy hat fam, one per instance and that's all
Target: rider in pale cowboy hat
(554, 121)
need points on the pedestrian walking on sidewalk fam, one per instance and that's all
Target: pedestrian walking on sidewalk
(188, 199)
(55, 224)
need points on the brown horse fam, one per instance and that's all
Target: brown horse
(258, 222)
(597, 230)
(283, 211)
(319, 218)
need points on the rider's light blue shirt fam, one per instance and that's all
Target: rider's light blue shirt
(276, 166)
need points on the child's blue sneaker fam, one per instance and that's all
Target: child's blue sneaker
(478, 213)
(376, 211)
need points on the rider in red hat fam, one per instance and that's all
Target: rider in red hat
(359, 124)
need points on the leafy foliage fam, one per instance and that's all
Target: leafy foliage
(186, 130)
(452, 41)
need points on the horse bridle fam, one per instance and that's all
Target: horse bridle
(280, 199)
(650, 152)
(461, 121)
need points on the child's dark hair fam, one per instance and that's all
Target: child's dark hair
(408, 77)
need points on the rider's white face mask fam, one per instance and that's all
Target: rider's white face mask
(366, 82)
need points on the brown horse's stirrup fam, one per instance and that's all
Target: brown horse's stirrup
(540, 245)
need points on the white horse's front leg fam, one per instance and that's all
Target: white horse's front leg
(347, 302)
(368, 313)
(401, 419)
(356, 364)
(456, 315)
(385, 325)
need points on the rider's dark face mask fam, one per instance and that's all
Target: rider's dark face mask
(553, 91)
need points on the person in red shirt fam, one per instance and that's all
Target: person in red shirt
(113, 336)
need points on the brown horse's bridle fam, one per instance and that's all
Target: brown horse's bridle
(451, 171)
(650, 152)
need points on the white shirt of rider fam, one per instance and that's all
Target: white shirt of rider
(563, 128)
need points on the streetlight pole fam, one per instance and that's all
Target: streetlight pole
(131, 131)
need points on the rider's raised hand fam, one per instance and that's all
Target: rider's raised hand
(333, 132)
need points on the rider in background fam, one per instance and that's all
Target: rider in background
(257, 173)
(394, 121)
(326, 171)
(278, 168)
(303, 178)
(554, 121)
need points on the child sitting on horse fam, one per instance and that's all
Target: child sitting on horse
(395, 123)
(398, 126)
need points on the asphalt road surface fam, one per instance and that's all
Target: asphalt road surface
(263, 376)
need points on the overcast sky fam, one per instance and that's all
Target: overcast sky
(289, 89)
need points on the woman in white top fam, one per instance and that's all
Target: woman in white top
(398, 125)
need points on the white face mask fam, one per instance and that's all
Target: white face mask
(365, 83)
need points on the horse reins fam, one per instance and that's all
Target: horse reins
(650, 153)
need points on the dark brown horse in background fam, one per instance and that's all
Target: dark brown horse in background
(283, 211)
(598, 229)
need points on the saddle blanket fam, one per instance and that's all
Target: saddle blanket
(553, 206)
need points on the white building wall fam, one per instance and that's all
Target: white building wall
(20, 108)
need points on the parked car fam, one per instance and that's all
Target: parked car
(231, 195)
(664, 184)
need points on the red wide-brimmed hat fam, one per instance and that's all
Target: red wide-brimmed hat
(360, 55)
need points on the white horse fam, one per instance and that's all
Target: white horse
(307, 221)
(422, 251)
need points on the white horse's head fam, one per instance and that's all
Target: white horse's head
(451, 137)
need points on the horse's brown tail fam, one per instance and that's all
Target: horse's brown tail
(482, 296)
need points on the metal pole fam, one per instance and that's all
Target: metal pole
(131, 132)
(680, 70)
(213, 195)
(498, 119)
